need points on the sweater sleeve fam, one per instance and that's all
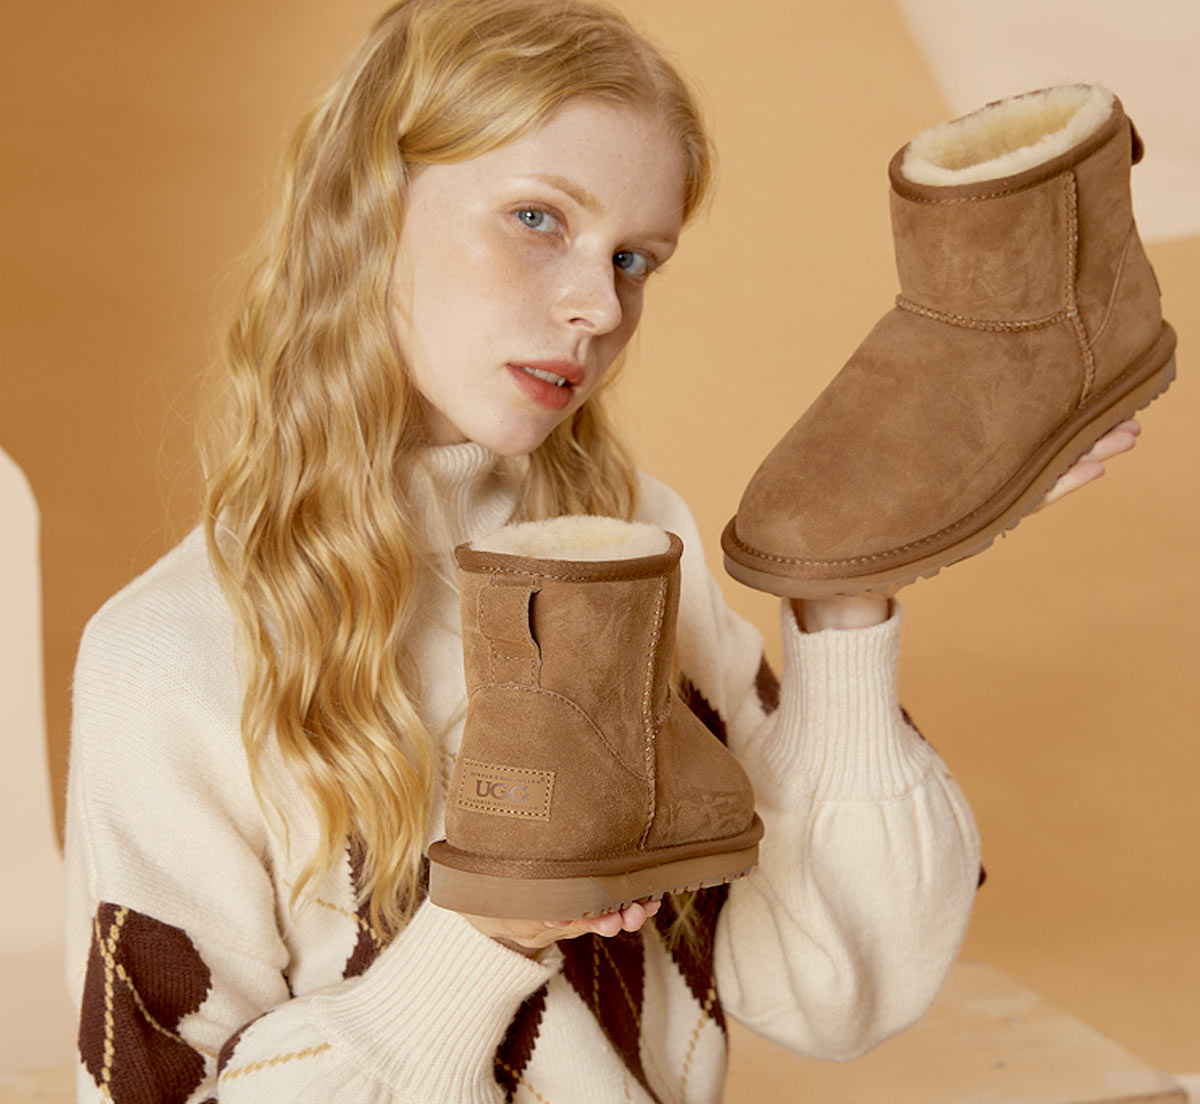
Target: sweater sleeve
(844, 932)
(177, 958)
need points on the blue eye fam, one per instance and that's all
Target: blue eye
(538, 220)
(635, 264)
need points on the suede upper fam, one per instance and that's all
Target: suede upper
(1027, 324)
(569, 675)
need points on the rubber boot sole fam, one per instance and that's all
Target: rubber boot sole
(543, 890)
(1136, 387)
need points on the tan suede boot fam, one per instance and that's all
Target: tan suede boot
(583, 782)
(1027, 326)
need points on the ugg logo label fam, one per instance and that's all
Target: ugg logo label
(503, 790)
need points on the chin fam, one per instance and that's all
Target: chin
(514, 441)
(509, 447)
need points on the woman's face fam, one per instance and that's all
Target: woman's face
(520, 272)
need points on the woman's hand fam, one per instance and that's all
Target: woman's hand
(1090, 466)
(872, 608)
(858, 611)
(531, 937)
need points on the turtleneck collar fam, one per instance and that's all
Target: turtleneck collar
(462, 492)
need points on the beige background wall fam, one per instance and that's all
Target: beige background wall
(1055, 673)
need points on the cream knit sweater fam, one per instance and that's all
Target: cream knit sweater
(197, 982)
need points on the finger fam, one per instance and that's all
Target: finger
(1079, 475)
(1117, 440)
(1090, 467)
(607, 925)
(634, 917)
(628, 919)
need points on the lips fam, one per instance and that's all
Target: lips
(549, 377)
(548, 383)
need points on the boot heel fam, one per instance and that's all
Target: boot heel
(582, 782)
(571, 898)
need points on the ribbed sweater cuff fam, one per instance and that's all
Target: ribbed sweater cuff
(840, 725)
(430, 1012)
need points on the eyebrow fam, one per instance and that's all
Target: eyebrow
(589, 202)
(568, 187)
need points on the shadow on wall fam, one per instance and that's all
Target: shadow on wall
(34, 1011)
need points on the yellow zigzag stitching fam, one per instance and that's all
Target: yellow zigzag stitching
(705, 1012)
(266, 1063)
(521, 1081)
(137, 999)
(633, 1008)
(107, 947)
(376, 938)
(113, 969)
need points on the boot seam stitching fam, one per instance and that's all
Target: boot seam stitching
(638, 572)
(950, 201)
(1070, 278)
(966, 322)
(495, 651)
(652, 722)
(648, 721)
(1112, 297)
(522, 660)
(932, 536)
(573, 705)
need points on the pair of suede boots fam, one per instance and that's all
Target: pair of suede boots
(1027, 325)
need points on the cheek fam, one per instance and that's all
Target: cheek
(446, 266)
(631, 312)
(489, 285)
(452, 302)
(614, 342)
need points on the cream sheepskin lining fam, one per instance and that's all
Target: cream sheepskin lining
(577, 537)
(1008, 137)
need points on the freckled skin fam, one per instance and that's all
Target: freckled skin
(536, 251)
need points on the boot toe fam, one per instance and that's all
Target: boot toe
(911, 445)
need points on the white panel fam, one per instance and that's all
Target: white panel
(36, 1023)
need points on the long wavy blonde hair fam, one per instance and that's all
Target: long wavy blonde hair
(307, 521)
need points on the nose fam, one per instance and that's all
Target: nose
(589, 298)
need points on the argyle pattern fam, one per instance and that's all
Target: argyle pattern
(145, 976)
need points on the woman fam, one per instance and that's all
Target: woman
(267, 719)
